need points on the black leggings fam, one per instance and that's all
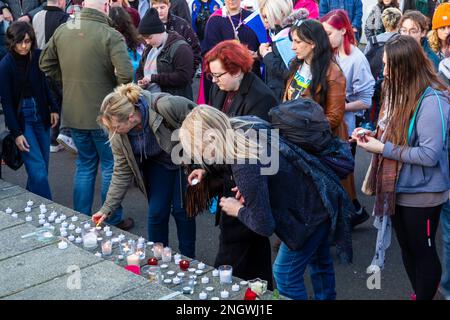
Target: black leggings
(416, 231)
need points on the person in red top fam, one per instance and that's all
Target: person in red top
(134, 14)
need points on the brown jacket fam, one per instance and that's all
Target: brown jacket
(335, 106)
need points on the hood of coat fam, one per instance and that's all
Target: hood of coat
(444, 67)
(298, 14)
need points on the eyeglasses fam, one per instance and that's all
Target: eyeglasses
(212, 76)
(409, 32)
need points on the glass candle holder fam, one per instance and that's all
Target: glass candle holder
(90, 239)
(157, 250)
(167, 254)
(140, 250)
(127, 248)
(225, 274)
(106, 248)
(187, 286)
(152, 273)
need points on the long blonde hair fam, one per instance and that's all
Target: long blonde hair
(120, 104)
(434, 41)
(230, 143)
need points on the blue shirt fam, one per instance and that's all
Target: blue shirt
(353, 8)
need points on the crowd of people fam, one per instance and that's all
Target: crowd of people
(112, 81)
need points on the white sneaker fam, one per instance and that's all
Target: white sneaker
(67, 142)
(56, 148)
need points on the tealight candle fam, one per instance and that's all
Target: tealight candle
(27, 209)
(62, 245)
(58, 220)
(224, 294)
(42, 206)
(215, 298)
(46, 224)
(203, 295)
(30, 203)
(51, 219)
(72, 238)
(121, 237)
(78, 230)
(52, 227)
(14, 215)
(141, 240)
(107, 248)
(63, 217)
(180, 274)
(72, 226)
(176, 280)
(87, 226)
(41, 221)
(109, 233)
(167, 281)
(177, 256)
(215, 273)
(164, 266)
(98, 228)
(205, 280)
(64, 233)
(78, 240)
(209, 288)
(29, 218)
(8, 210)
(199, 272)
(170, 272)
(243, 283)
(53, 213)
(191, 269)
(74, 219)
(120, 257)
(98, 254)
(201, 266)
(150, 243)
(106, 228)
(64, 224)
(133, 260)
(43, 210)
(158, 249)
(41, 216)
(167, 254)
(235, 287)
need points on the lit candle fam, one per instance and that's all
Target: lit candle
(87, 226)
(64, 233)
(201, 266)
(78, 230)
(133, 260)
(243, 283)
(98, 228)
(164, 266)
(42, 206)
(199, 272)
(46, 224)
(62, 245)
(30, 203)
(205, 280)
(167, 254)
(150, 243)
(180, 274)
(54, 213)
(167, 281)
(90, 240)
(225, 273)
(41, 221)
(58, 220)
(64, 224)
(120, 257)
(106, 228)
(121, 237)
(29, 218)
(63, 217)
(72, 226)
(14, 215)
(72, 238)
(203, 295)
(215, 273)
(41, 216)
(109, 233)
(98, 254)
(43, 210)
(27, 209)
(78, 240)
(8, 210)
(141, 240)
(51, 219)
(191, 269)
(106, 248)
(176, 280)
(74, 218)
(157, 250)
(235, 287)
(170, 273)
(224, 294)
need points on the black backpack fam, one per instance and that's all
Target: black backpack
(375, 56)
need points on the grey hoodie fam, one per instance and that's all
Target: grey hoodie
(444, 70)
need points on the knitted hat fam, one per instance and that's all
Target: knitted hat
(441, 17)
(150, 23)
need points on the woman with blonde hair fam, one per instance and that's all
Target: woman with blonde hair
(440, 30)
(140, 140)
(266, 202)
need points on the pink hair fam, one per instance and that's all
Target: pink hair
(339, 20)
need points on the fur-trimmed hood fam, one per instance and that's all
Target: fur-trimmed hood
(298, 14)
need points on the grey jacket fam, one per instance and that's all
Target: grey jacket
(20, 8)
(166, 113)
(425, 165)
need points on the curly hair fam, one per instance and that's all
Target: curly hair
(433, 41)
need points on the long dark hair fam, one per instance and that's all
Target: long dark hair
(16, 33)
(123, 24)
(312, 32)
(410, 72)
(393, 4)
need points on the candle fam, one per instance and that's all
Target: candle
(170, 272)
(199, 272)
(90, 240)
(201, 266)
(58, 220)
(106, 248)
(109, 233)
(215, 273)
(106, 228)
(27, 209)
(235, 287)
(187, 290)
(62, 245)
(191, 269)
(64, 224)
(133, 260)
(98, 254)
(46, 224)
(87, 226)
(41, 221)
(203, 295)
(167, 281)
(243, 283)
(215, 298)
(184, 264)
(121, 237)
(30, 203)
(51, 219)
(120, 257)
(72, 238)
(54, 213)
(180, 274)
(225, 273)
(64, 233)
(167, 254)
(78, 240)
(177, 256)
(42, 206)
(150, 243)
(164, 266)
(194, 182)
(205, 280)
(74, 219)
(43, 210)
(157, 250)
(78, 230)
(152, 261)
(28, 218)
(14, 215)
(63, 217)
(209, 288)
(141, 240)
(176, 280)
(41, 216)
(8, 210)
(224, 294)
(72, 227)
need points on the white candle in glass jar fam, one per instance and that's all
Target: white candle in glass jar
(157, 250)
(90, 240)
(133, 260)
(107, 248)
(167, 254)
(225, 273)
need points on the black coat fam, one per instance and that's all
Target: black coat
(254, 98)
(275, 72)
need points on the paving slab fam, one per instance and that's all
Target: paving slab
(10, 192)
(150, 292)
(41, 265)
(5, 184)
(12, 244)
(18, 202)
(98, 282)
(6, 221)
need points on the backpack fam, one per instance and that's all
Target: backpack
(375, 56)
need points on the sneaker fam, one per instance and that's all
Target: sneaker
(67, 142)
(56, 148)
(359, 217)
(125, 224)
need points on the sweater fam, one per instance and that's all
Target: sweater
(45, 23)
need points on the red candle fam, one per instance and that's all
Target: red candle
(152, 262)
(249, 295)
(184, 265)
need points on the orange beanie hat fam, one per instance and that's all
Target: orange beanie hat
(441, 17)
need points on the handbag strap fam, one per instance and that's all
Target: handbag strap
(413, 119)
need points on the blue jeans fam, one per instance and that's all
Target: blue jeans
(93, 148)
(165, 189)
(38, 138)
(290, 265)
(445, 225)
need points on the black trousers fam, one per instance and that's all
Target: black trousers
(416, 231)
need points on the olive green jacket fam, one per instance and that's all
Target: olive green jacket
(166, 113)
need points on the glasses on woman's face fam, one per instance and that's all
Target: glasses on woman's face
(216, 76)
(410, 32)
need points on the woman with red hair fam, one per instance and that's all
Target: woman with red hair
(359, 85)
(236, 90)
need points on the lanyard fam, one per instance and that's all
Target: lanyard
(235, 29)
